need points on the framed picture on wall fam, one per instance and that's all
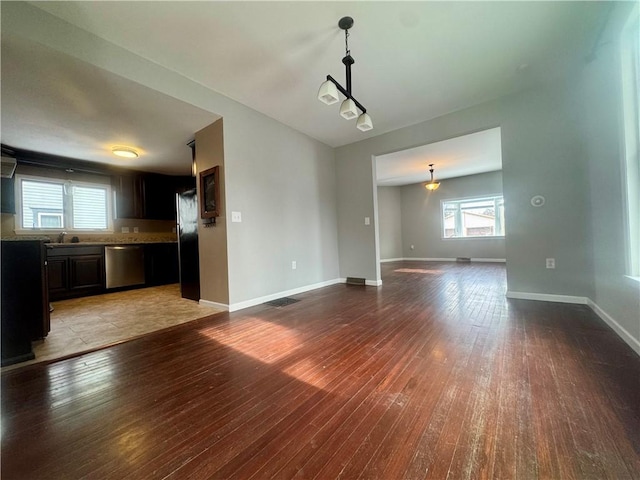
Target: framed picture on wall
(210, 192)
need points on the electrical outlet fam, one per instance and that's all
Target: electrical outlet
(294, 265)
(135, 230)
(236, 217)
(367, 220)
(551, 263)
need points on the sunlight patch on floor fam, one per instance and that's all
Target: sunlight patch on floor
(283, 340)
(418, 270)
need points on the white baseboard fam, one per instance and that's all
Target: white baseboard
(257, 301)
(373, 283)
(417, 259)
(207, 303)
(391, 260)
(420, 259)
(547, 297)
(619, 329)
(608, 319)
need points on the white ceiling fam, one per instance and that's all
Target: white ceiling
(414, 61)
(62, 106)
(471, 154)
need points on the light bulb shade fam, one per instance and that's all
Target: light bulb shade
(328, 93)
(364, 122)
(348, 109)
(432, 185)
(126, 152)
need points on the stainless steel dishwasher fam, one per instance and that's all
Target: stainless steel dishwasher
(124, 265)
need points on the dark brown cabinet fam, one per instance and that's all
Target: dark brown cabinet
(86, 272)
(25, 298)
(127, 195)
(161, 263)
(158, 197)
(75, 271)
(7, 191)
(58, 275)
(148, 196)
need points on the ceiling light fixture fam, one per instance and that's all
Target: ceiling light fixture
(126, 152)
(329, 89)
(432, 184)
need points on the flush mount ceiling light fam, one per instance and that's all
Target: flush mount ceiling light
(126, 152)
(431, 184)
(329, 89)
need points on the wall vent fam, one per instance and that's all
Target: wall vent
(463, 260)
(355, 281)
(8, 167)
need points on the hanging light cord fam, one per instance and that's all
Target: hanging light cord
(346, 43)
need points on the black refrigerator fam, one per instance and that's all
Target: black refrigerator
(187, 227)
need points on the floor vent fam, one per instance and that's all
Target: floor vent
(281, 302)
(355, 281)
(463, 260)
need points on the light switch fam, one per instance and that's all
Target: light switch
(236, 217)
(125, 229)
(367, 220)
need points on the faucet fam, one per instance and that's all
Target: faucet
(61, 237)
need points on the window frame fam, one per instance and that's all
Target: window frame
(630, 75)
(468, 199)
(67, 206)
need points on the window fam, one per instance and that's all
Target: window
(630, 56)
(473, 217)
(53, 204)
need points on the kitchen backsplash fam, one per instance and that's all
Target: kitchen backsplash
(148, 231)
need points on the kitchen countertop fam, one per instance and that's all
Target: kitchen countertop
(127, 242)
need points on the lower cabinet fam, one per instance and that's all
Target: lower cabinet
(161, 263)
(75, 271)
(78, 270)
(25, 299)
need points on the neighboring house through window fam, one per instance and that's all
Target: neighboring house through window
(473, 217)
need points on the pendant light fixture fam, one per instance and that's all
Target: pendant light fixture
(431, 184)
(329, 89)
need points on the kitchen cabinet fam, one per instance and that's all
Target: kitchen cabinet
(75, 271)
(25, 298)
(148, 196)
(127, 195)
(158, 197)
(7, 190)
(161, 263)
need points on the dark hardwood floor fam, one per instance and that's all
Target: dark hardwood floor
(434, 375)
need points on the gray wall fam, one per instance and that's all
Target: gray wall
(390, 222)
(422, 224)
(540, 155)
(599, 102)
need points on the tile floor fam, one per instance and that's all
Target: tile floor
(87, 323)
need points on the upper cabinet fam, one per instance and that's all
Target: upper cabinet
(8, 204)
(127, 194)
(148, 195)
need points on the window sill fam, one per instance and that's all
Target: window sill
(633, 280)
(44, 232)
(496, 237)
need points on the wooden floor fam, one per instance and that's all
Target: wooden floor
(433, 375)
